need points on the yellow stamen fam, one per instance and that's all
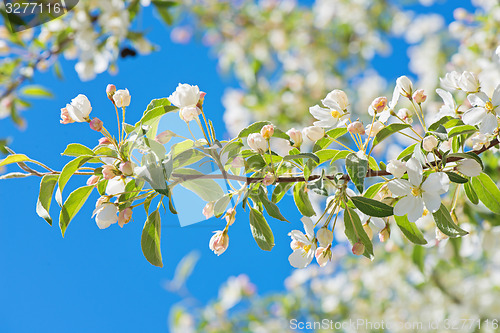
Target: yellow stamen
(425, 212)
(416, 191)
(335, 114)
(307, 248)
(489, 106)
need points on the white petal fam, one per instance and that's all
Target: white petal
(326, 123)
(308, 227)
(378, 223)
(495, 99)
(299, 258)
(488, 124)
(331, 104)
(414, 169)
(320, 113)
(447, 97)
(384, 115)
(115, 186)
(478, 99)
(417, 209)
(474, 116)
(399, 187)
(395, 98)
(432, 201)
(404, 205)
(298, 236)
(436, 183)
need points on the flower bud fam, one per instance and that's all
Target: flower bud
(368, 230)
(385, 234)
(356, 128)
(109, 171)
(267, 131)
(358, 249)
(430, 142)
(124, 217)
(323, 256)
(238, 162)
(405, 115)
(373, 130)
(65, 117)
(296, 137)
(122, 98)
(104, 141)
(208, 210)
(110, 91)
(164, 137)
(92, 180)
(230, 216)
(396, 168)
(79, 109)
(96, 124)
(419, 96)
(314, 133)
(127, 168)
(469, 167)
(379, 104)
(202, 99)
(469, 82)
(405, 86)
(219, 242)
(337, 96)
(189, 113)
(268, 179)
(257, 142)
(324, 236)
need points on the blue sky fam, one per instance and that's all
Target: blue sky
(98, 280)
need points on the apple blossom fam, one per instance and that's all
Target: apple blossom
(450, 107)
(338, 97)
(110, 91)
(313, 133)
(295, 136)
(164, 137)
(415, 192)
(65, 117)
(109, 171)
(267, 131)
(396, 168)
(105, 215)
(419, 96)
(92, 180)
(268, 179)
(446, 145)
(96, 124)
(189, 113)
(358, 248)
(356, 128)
(257, 142)
(303, 245)
(115, 186)
(469, 167)
(219, 242)
(127, 168)
(469, 82)
(124, 217)
(208, 210)
(230, 216)
(450, 81)
(78, 110)
(429, 143)
(332, 116)
(378, 105)
(185, 95)
(324, 236)
(122, 98)
(405, 115)
(405, 87)
(385, 234)
(373, 130)
(104, 141)
(479, 141)
(323, 256)
(484, 112)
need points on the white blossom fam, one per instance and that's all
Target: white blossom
(105, 214)
(484, 112)
(303, 245)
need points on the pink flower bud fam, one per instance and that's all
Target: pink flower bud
(96, 124)
(379, 104)
(267, 131)
(385, 234)
(230, 216)
(127, 168)
(419, 96)
(164, 137)
(219, 242)
(202, 99)
(109, 172)
(92, 180)
(104, 141)
(268, 179)
(296, 137)
(208, 210)
(356, 128)
(102, 200)
(124, 217)
(65, 117)
(358, 249)
(110, 91)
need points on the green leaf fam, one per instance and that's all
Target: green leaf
(150, 239)
(355, 232)
(156, 103)
(270, 206)
(206, 189)
(410, 230)
(372, 207)
(36, 91)
(487, 191)
(302, 201)
(302, 156)
(459, 130)
(357, 167)
(221, 205)
(47, 185)
(336, 132)
(388, 131)
(372, 190)
(471, 194)
(407, 152)
(66, 173)
(456, 178)
(163, 6)
(445, 223)
(15, 158)
(440, 122)
(72, 206)
(150, 116)
(467, 155)
(280, 190)
(76, 149)
(326, 154)
(261, 231)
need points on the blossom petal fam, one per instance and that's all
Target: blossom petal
(404, 205)
(417, 209)
(478, 99)
(326, 123)
(438, 183)
(320, 113)
(447, 98)
(488, 124)
(495, 99)
(308, 227)
(300, 258)
(474, 116)
(298, 236)
(331, 104)
(399, 187)
(432, 201)
(414, 169)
